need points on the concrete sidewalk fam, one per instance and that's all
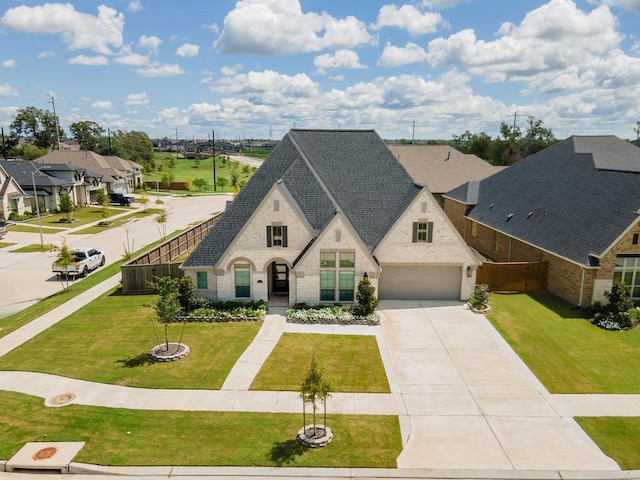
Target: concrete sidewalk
(465, 401)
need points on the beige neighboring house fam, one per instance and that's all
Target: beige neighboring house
(12, 197)
(326, 209)
(117, 174)
(441, 168)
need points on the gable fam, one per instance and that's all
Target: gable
(443, 245)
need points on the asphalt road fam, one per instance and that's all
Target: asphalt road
(26, 278)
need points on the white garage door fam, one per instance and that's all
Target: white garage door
(419, 283)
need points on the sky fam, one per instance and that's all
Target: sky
(423, 69)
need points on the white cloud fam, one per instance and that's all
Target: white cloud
(78, 30)
(279, 27)
(408, 18)
(341, 59)
(7, 90)
(553, 49)
(441, 4)
(150, 42)
(136, 99)
(187, 50)
(102, 105)
(46, 54)
(91, 61)
(228, 70)
(160, 70)
(393, 56)
(631, 5)
(127, 57)
(269, 87)
(11, 63)
(135, 6)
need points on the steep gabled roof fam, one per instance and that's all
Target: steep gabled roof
(324, 171)
(574, 199)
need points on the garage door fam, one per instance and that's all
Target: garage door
(419, 283)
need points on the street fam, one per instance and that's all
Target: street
(26, 278)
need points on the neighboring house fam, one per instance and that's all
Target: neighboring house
(441, 168)
(118, 175)
(12, 197)
(327, 208)
(575, 204)
(47, 179)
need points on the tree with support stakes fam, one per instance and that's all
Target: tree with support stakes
(168, 308)
(315, 388)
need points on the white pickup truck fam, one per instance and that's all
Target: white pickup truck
(86, 259)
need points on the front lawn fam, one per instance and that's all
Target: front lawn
(195, 438)
(351, 362)
(117, 222)
(109, 341)
(566, 352)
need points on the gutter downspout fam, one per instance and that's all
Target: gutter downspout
(581, 287)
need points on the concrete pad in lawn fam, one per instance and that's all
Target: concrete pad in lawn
(547, 443)
(448, 442)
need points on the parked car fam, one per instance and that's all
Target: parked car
(120, 199)
(86, 259)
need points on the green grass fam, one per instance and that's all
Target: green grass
(566, 352)
(82, 216)
(35, 247)
(186, 168)
(111, 338)
(617, 437)
(5, 244)
(351, 362)
(33, 228)
(195, 438)
(12, 322)
(117, 222)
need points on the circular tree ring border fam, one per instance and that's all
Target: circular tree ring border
(314, 442)
(183, 351)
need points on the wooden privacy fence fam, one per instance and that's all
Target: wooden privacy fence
(513, 276)
(139, 272)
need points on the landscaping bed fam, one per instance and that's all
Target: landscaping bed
(341, 315)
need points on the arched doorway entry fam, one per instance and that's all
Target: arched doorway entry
(278, 283)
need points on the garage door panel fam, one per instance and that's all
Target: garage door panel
(419, 283)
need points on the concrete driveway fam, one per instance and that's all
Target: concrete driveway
(471, 403)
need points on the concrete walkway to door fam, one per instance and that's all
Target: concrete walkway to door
(471, 402)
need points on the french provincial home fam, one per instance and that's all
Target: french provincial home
(326, 209)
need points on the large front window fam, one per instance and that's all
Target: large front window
(627, 270)
(202, 280)
(337, 276)
(242, 281)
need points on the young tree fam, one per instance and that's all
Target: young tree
(66, 205)
(161, 219)
(315, 387)
(64, 259)
(167, 305)
(103, 201)
(200, 183)
(222, 183)
(143, 199)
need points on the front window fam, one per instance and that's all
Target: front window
(337, 276)
(627, 270)
(422, 231)
(277, 236)
(202, 280)
(242, 281)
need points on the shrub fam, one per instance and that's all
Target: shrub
(366, 298)
(480, 299)
(619, 298)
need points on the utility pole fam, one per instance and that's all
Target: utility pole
(413, 132)
(55, 118)
(213, 154)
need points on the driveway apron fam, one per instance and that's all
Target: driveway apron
(471, 402)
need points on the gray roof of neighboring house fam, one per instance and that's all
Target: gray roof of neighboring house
(109, 168)
(21, 170)
(324, 171)
(574, 199)
(441, 167)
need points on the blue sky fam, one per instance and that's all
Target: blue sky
(255, 68)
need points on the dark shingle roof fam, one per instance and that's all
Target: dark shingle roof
(573, 199)
(324, 171)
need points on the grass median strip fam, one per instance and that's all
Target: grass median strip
(196, 438)
(617, 437)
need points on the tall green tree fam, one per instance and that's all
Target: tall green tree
(537, 137)
(87, 133)
(38, 125)
(110, 146)
(66, 205)
(136, 146)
